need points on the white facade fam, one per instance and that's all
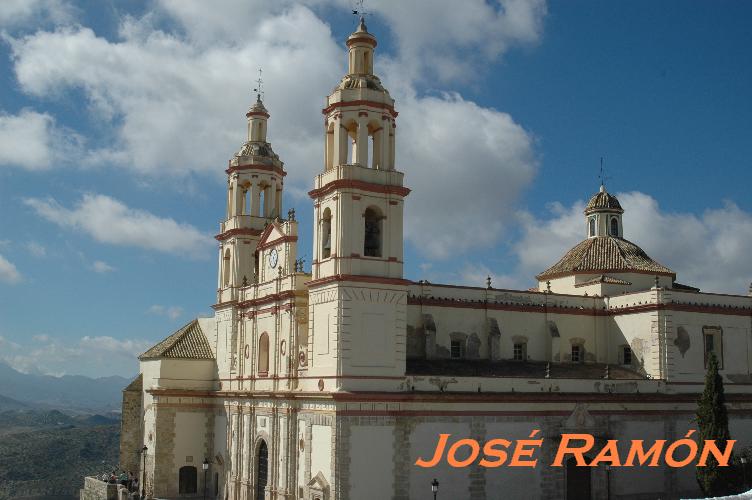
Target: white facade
(330, 385)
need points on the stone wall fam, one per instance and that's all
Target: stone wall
(131, 437)
(95, 489)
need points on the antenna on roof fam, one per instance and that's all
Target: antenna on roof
(259, 86)
(602, 176)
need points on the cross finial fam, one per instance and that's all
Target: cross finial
(360, 10)
(259, 86)
(602, 176)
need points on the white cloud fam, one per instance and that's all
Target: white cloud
(454, 41)
(477, 275)
(178, 107)
(53, 356)
(709, 250)
(177, 100)
(108, 220)
(101, 267)
(36, 249)
(32, 141)
(172, 312)
(19, 12)
(8, 272)
(467, 165)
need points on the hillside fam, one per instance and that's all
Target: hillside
(51, 460)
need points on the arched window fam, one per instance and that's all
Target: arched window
(326, 234)
(366, 63)
(226, 268)
(247, 200)
(262, 202)
(372, 239)
(614, 226)
(263, 355)
(262, 470)
(187, 479)
(591, 226)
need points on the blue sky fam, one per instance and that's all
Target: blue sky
(117, 119)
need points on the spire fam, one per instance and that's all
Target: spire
(360, 45)
(257, 114)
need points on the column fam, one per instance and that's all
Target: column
(238, 201)
(278, 201)
(393, 134)
(269, 199)
(362, 142)
(377, 140)
(385, 154)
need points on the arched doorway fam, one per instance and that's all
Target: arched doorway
(578, 481)
(187, 480)
(262, 470)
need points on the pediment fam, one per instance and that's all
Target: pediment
(319, 482)
(580, 419)
(272, 233)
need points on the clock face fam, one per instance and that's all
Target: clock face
(273, 258)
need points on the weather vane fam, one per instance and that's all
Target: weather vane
(259, 87)
(359, 9)
(602, 176)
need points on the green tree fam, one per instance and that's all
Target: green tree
(712, 422)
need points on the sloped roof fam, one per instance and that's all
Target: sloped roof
(187, 343)
(605, 254)
(136, 384)
(602, 200)
(604, 279)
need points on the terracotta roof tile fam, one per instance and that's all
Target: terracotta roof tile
(603, 201)
(187, 343)
(604, 254)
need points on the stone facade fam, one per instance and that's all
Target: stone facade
(329, 385)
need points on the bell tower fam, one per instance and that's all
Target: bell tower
(358, 295)
(255, 177)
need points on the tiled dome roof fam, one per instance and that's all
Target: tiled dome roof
(602, 200)
(603, 255)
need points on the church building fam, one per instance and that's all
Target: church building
(329, 385)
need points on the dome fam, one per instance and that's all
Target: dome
(604, 255)
(602, 200)
(257, 108)
(361, 35)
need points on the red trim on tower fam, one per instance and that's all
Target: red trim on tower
(359, 185)
(256, 113)
(237, 232)
(256, 166)
(362, 102)
(359, 279)
(283, 239)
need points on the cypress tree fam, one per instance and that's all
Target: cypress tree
(712, 422)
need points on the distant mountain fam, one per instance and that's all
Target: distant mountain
(7, 403)
(69, 392)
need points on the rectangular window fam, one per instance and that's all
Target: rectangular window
(519, 352)
(576, 353)
(713, 343)
(456, 349)
(626, 355)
